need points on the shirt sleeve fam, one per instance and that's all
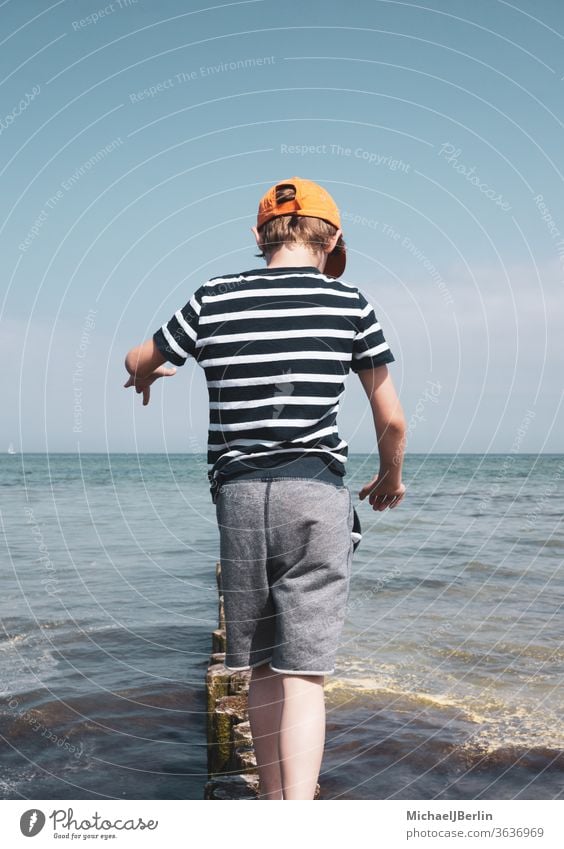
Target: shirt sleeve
(370, 348)
(176, 339)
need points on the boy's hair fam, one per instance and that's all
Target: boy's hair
(294, 229)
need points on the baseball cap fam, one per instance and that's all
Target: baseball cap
(312, 200)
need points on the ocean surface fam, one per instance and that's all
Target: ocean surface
(449, 682)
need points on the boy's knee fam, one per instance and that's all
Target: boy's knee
(312, 679)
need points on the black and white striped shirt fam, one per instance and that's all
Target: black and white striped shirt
(276, 345)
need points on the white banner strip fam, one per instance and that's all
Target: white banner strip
(389, 824)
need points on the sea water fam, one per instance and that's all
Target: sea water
(449, 679)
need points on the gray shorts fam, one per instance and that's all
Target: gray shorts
(286, 548)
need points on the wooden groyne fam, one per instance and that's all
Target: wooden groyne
(232, 766)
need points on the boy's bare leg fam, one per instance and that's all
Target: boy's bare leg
(265, 700)
(302, 734)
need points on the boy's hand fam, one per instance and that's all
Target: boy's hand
(382, 493)
(143, 384)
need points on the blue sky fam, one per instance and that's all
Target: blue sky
(137, 138)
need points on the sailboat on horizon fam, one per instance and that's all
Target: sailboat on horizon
(11, 449)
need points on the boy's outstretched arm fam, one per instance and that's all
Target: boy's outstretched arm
(386, 489)
(145, 365)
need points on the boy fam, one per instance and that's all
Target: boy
(276, 345)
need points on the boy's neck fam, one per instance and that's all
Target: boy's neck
(298, 256)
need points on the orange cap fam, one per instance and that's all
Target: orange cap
(312, 200)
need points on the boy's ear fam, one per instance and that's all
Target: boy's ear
(333, 241)
(256, 235)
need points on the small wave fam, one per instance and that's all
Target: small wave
(6, 641)
(19, 678)
(479, 566)
(13, 784)
(505, 739)
(498, 725)
(541, 543)
(355, 687)
(503, 655)
(491, 756)
(18, 626)
(547, 654)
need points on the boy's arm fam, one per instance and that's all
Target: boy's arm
(145, 365)
(386, 489)
(142, 360)
(174, 342)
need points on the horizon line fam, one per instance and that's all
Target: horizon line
(351, 453)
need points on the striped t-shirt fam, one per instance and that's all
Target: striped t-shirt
(276, 345)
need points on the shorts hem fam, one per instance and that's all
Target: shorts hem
(249, 666)
(302, 671)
